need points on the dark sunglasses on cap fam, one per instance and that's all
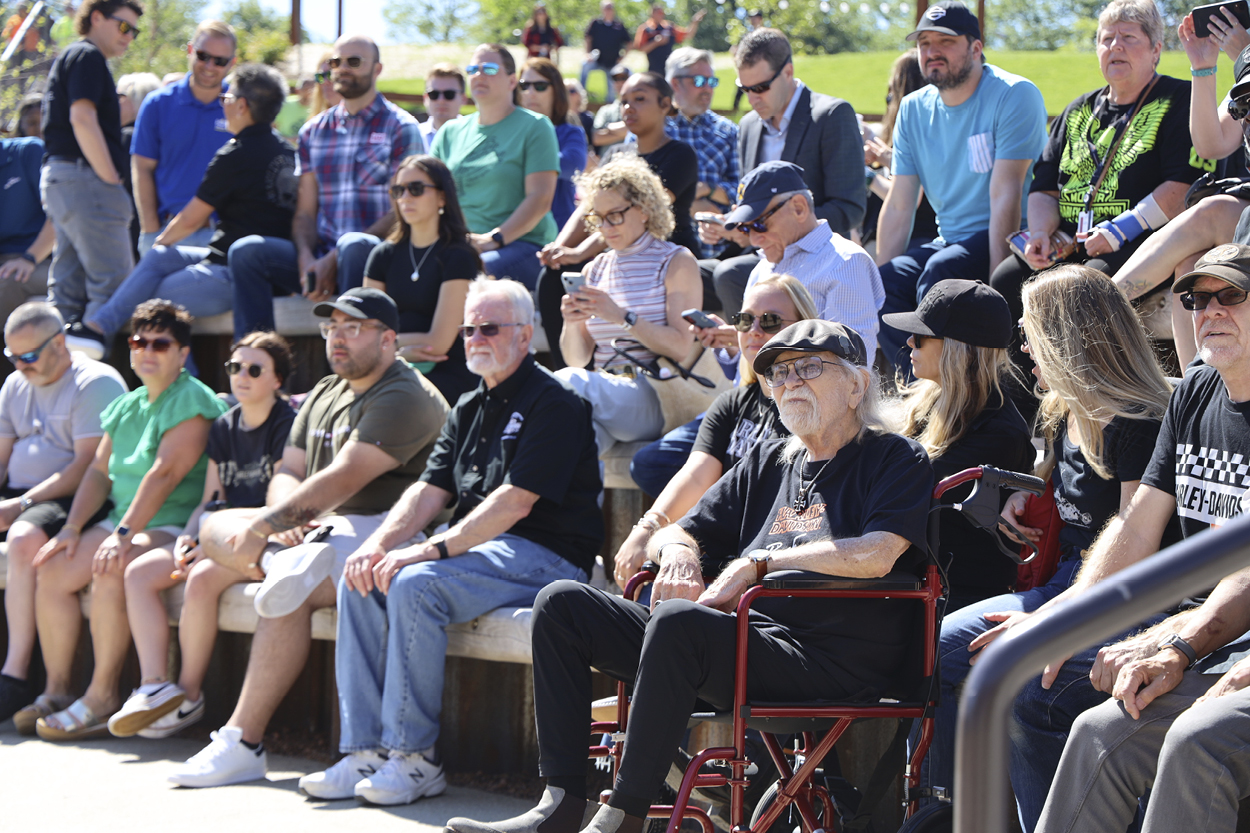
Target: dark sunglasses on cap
(757, 89)
(539, 86)
(416, 189)
(30, 357)
(702, 80)
(435, 95)
(487, 68)
(205, 58)
(158, 345)
(125, 26)
(353, 61)
(770, 322)
(488, 330)
(235, 368)
(1229, 296)
(760, 224)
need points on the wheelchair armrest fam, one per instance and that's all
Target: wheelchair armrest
(807, 580)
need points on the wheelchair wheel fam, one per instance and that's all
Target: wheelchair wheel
(788, 821)
(933, 818)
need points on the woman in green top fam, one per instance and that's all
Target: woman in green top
(151, 465)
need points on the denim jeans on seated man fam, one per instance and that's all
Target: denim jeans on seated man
(200, 237)
(175, 273)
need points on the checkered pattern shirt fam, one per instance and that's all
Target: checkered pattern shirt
(353, 158)
(715, 141)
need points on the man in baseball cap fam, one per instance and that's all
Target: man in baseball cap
(362, 303)
(950, 17)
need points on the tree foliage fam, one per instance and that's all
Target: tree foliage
(167, 27)
(436, 21)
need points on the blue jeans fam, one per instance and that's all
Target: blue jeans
(391, 648)
(354, 248)
(909, 276)
(517, 260)
(174, 273)
(656, 464)
(594, 66)
(198, 238)
(260, 268)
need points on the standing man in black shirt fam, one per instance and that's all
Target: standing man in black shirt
(606, 37)
(518, 460)
(81, 181)
(840, 497)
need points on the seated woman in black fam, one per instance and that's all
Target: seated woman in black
(425, 265)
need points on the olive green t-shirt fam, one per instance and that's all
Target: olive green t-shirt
(402, 414)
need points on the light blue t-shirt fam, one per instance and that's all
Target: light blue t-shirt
(952, 149)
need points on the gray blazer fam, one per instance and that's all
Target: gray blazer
(823, 139)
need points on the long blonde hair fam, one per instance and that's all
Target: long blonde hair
(1093, 355)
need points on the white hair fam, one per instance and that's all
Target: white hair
(35, 314)
(518, 296)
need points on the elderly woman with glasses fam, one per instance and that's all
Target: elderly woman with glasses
(628, 310)
(150, 466)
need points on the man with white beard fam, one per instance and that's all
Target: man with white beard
(517, 460)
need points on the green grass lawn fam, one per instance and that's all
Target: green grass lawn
(861, 77)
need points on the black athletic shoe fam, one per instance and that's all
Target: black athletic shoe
(82, 339)
(15, 695)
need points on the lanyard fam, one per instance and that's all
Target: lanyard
(1105, 166)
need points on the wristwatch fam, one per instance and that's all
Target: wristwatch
(497, 236)
(27, 256)
(1173, 640)
(25, 503)
(122, 531)
(631, 318)
(441, 546)
(762, 559)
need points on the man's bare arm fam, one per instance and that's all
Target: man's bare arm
(352, 469)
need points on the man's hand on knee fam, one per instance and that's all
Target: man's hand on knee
(1141, 681)
(358, 572)
(1113, 658)
(1234, 680)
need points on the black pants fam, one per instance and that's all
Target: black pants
(678, 658)
(549, 292)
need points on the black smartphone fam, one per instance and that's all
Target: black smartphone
(699, 318)
(1203, 14)
(310, 282)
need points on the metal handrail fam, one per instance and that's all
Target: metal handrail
(1108, 608)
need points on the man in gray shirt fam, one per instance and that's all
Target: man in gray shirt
(49, 429)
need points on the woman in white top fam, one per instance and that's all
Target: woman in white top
(633, 295)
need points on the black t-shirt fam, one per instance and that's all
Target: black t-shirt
(1203, 452)
(417, 298)
(533, 432)
(78, 73)
(246, 459)
(658, 56)
(880, 483)
(251, 184)
(736, 422)
(1156, 148)
(677, 166)
(998, 437)
(608, 38)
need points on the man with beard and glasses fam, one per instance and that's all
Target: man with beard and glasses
(359, 440)
(970, 140)
(518, 462)
(840, 497)
(344, 164)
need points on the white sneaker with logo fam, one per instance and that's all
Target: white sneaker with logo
(224, 761)
(340, 780)
(187, 714)
(402, 780)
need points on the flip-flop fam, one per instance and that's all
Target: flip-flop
(78, 722)
(43, 706)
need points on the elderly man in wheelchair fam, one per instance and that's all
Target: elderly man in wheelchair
(842, 497)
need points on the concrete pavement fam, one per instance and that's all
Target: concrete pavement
(119, 785)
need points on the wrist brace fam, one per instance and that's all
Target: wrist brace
(1146, 215)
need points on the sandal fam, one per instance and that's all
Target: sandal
(44, 705)
(78, 722)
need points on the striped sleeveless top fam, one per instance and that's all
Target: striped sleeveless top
(634, 277)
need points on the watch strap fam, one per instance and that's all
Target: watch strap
(121, 530)
(762, 560)
(1174, 640)
(27, 256)
(497, 236)
(441, 546)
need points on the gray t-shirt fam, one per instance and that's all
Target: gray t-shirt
(45, 421)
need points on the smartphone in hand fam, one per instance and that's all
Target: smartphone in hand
(572, 281)
(1203, 15)
(699, 318)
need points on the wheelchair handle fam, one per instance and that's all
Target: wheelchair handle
(993, 478)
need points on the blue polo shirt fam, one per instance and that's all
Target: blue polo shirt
(182, 134)
(21, 215)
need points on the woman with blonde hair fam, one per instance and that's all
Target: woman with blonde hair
(324, 96)
(628, 311)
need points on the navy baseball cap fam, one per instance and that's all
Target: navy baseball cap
(758, 188)
(949, 17)
(363, 302)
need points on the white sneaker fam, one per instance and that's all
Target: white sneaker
(180, 718)
(340, 780)
(402, 780)
(224, 761)
(290, 577)
(142, 708)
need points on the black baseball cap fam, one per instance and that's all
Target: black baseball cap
(949, 17)
(1241, 67)
(758, 188)
(813, 335)
(1229, 263)
(363, 302)
(967, 311)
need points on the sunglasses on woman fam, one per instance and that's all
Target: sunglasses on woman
(487, 68)
(125, 26)
(760, 224)
(415, 189)
(700, 81)
(158, 345)
(612, 218)
(487, 330)
(205, 58)
(235, 368)
(770, 322)
(1229, 296)
(539, 86)
(321, 77)
(353, 61)
(758, 89)
(435, 95)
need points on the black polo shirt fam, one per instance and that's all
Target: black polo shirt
(533, 432)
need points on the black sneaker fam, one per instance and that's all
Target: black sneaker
(15, 695)
(82, 339)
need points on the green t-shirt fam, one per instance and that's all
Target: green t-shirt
(291, 117)
(490, 164)
(136, 427)
(402, 414)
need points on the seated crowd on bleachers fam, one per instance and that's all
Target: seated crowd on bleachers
(726, 296)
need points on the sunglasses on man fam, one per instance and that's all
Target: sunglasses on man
(759, 89)
(205, 58)
(760, 224)
(435, 95)
(353, 61)
(1229, 296)
(125, 26)
(700, 81)
(487, 68)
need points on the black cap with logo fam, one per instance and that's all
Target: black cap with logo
(950, 17)
(363, 302)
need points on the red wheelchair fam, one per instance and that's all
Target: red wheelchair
(799, 786)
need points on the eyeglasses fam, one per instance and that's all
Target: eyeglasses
(226, 98)
(757, 89)
(125, 26)
(321, 77)
(1024, 337)
(487, 330)
(806, 367)
(487, 68)
(416, 189)
(759, 224)
(351, 329)
(612, 218)
(701, 80)
(353, 61)
(435, 95)
(235, 368)
(770, 322)
(158, 345)
(539, 86)
(32, 356)
(205, 58)
(1229, 296)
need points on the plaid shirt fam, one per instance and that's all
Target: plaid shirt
(715, 141)
(353, 158)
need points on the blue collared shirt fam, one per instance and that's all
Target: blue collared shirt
(715, 141)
